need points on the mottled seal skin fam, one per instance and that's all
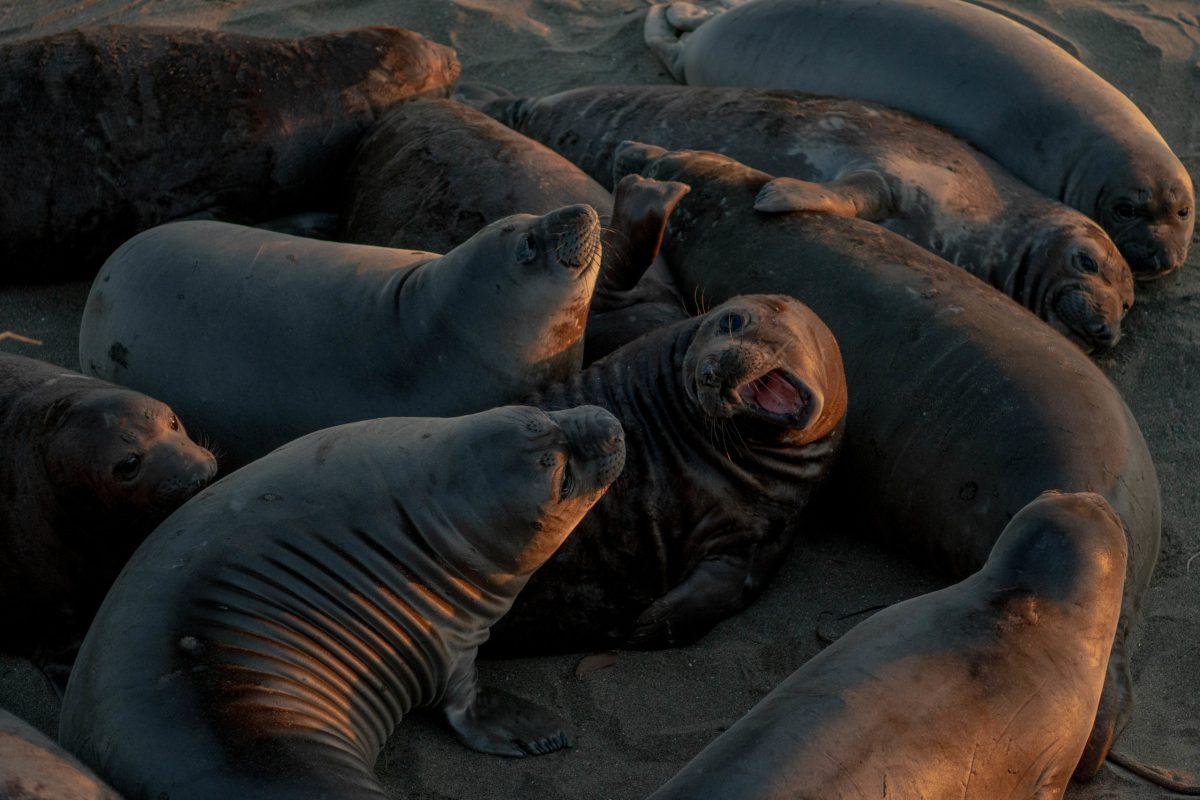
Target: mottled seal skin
(1011, 92)
(260, 337)
(293, 613)
(982, 690)
(87, 469)
(860, 159)
(434, 171)
(32, 767)
(732, 419)
(961, 409)
(108, 131)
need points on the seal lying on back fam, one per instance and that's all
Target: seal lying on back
(87, 469)
(1012, 93)
(961, 410)
(32, 767)
(105, 132)
(294, 612)
(732, 419)
(860, 159)
(433, 172)
(983, 690)
(260, 337)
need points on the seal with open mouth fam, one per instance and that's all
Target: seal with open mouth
(260, 337)
(731, 421)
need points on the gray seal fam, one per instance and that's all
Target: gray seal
(1001, 86)
(260, 337)
(271, 634)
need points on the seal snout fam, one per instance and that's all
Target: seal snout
(596, 444)
(574, 233)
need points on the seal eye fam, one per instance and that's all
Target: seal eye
(568, 482)
(127, 467)
(1184, 212)
(1125, 210)
(1087, 263)
(526, 249)
(174, 423)
(731, 323)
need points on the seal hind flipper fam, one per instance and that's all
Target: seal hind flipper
(1173, 780)
(663, 40)
(641, 208)
(498, 723)
(712, 591)
(865, 195)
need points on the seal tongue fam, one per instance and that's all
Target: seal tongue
(772, 393)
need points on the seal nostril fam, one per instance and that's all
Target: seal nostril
(710, 374)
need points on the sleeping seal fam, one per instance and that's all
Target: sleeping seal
(1009, 91)
(108, 131)
(271, 634)
(260, 337)
(963, 409)
(983, 690)
(860, 159)
(731, 421)
(32, 767)
(87, 470)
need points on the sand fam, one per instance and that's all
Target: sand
(644, 716)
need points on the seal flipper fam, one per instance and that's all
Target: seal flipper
(1172, 780)
(495, 722)
(712, 591)
(1116, 706)
(865, 195)
(687, 16)
(663, 40)
(641, 208)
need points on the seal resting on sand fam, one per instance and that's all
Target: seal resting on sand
(108, 131)
(1011, 92)
(87, 469)
(731, 421)
(297, 610)
(963, 408)
(983, 690)
(32, 767)
(260, 337)
(860, 159)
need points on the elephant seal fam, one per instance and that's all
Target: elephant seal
(1008, 667)
(962, 408)
(260, 337)
(32, 767)
(105, 132)
(87, 470)
(731, 421)
(1009, 91)
(293, 613)
(432, 172)
(860, 159)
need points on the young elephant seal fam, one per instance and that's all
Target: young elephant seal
(105, 132)
(963, 408)
(731, 421)
(32, 767)
(983, 690)
(260, 337)
(1001, 86)
(87, 469)
(860, 159)
(271, 634)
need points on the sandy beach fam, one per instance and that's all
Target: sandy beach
(641, 716)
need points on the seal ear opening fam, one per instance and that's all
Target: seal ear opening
(632, 157)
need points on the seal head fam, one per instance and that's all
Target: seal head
(1082, 286)
(1151, 218)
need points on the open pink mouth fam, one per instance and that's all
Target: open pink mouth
(774, 394)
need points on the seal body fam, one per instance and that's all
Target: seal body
(998, 84)
(961, 411)
(87, 469)
(434, 171)
(261, 337)
(32, 767)
(294, 612)
(1008, 666)
(109, 131)
(860, 159)
(732, 419)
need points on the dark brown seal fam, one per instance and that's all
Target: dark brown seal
(87, 469)
(731, 421)
(105, 132)
(962, 408)
(983, 690)
(270, 635)
(32, 767)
